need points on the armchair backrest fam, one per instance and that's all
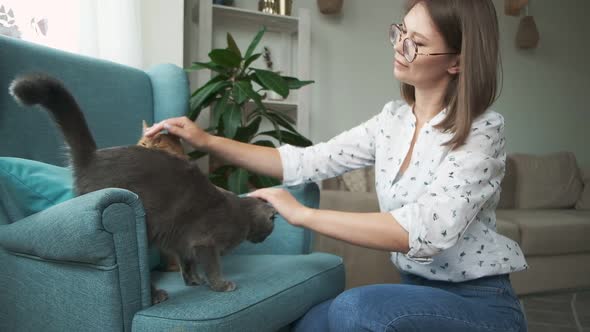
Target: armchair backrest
(285, 238)
(114, 98)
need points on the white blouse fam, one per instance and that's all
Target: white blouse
(445, 199)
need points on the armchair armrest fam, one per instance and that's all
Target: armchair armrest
(88, 255)
(81, 230)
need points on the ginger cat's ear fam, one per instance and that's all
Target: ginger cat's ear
(144, 125)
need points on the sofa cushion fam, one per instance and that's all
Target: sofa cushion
(508, 229)
(550, 232)
(583, 202)
(349, 201)
(266, 285)
(551, 181)
(508, 186)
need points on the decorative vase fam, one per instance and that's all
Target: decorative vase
(527, 35)
(513, 7)
(279, 7)
(223, 2)
(267, 6)
(284, 7)
(330, 7)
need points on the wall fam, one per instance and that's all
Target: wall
(162, 32)
(543, 98)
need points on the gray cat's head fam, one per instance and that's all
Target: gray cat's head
(261, 215)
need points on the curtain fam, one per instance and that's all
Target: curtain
(106, 29)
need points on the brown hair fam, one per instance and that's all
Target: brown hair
(471, 28)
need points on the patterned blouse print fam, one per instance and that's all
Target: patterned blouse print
(445, 200)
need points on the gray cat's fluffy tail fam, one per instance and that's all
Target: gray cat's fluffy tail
(40, 89)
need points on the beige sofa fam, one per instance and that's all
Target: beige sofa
(544, 206)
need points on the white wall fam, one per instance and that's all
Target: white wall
(162, 32)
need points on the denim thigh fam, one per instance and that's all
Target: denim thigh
(418, 304)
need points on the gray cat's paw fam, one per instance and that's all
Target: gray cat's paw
(192, 280)
(159, 295)
(223, 286)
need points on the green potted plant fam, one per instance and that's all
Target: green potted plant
(235, 85)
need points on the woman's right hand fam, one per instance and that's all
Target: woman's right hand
(184, 128)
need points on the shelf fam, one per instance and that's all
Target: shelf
(280, 105)
(271, 21)
(292, 33)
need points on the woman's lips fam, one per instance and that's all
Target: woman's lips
(399, 63)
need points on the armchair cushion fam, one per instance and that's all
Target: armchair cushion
(272, 291)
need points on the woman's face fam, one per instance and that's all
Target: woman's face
(425, 71)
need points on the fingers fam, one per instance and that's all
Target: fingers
(257, 193)
(174, 129)
(166, 124)
(266, 194)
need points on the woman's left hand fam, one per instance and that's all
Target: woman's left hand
(285, 204)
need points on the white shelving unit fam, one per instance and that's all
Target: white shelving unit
(293, 30)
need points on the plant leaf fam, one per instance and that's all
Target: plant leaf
(263, 181)
(294, 83)
(239, 94)
(232, 119)
(195, 112)
(238, 181)
(245, 134)
(199, 100)
(255, 42)
(288, 137)
(251, 59)
(265, 143)
(205, 65)
(277, 129)
(219, 108)
(246, 87)
(232, 46)
(254, 78)
(272, 81)
(281, 120)
(215, 79)
(219, 176)
(225, 58)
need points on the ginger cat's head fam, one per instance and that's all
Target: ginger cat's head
(161, 141)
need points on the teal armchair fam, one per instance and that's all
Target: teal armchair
(84, 264)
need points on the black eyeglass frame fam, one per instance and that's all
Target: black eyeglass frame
(408, 43)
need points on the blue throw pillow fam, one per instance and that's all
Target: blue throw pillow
(28, 187)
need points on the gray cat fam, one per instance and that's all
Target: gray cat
(187, 216)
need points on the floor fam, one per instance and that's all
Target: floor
(564, 312)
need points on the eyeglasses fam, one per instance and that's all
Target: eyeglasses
(410, 49)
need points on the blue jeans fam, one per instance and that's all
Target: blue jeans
(419, 304)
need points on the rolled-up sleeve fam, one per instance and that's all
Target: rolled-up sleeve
(349, 150)
(468, 177)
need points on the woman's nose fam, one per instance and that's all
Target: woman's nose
(398, 48)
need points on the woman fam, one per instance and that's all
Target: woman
(439, 158)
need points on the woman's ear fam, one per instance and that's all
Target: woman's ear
(455, 68)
